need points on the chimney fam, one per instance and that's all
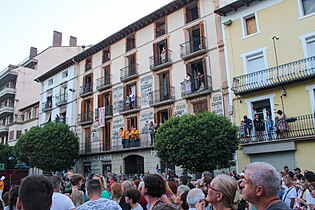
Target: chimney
(73, 41)
(57, 39)
(33, 52)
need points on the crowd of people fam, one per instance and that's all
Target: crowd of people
(260, 186)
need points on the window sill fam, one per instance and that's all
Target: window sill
(306, 16)
(248, 36)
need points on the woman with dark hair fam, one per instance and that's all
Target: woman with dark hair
(188, 83)
(13, 195)
(132, 197)
(282, 124)
(154, 188)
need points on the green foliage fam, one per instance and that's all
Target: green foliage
(53, 147)
(197, 143)
(7, 156)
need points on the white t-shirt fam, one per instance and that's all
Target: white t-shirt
(309, 199)
(61, 202)
(288, 195)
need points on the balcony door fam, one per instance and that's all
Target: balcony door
(262, 108)
(164, 86)
(132, 122)
(131, 61)
(160, 51)
(196, 38)
(106, 131)
(195, 67)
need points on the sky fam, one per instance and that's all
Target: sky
(30, 23)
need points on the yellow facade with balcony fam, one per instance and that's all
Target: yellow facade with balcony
(270, 59)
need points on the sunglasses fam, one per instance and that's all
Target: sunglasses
(215, 190)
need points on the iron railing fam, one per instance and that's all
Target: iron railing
(129, 72)
(161, 60)
(162, 95)
(86, 117)
(115, 144)
(61, 99)
(108, 112)
(195, 87)
(193, 47)
(103, 82)
(276, 76)
(131, 104)
(47, 105)
(86, 89)
(8, 85)
(293, 127)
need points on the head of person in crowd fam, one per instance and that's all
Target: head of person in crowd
(13, 196)
(76, 180)
(35, 193)
(94, 189)
(126, 185)
(261, 184)
(56, 181)
(116, 191)
(173, 186)
(297, 171)
(311, 188)
(194, 196)
(181, 189)
(102, 180)
(154, 187)
(136, 183)
(222, 192)
(132, 197)
(286, 168)
(309, 177)
(183, 180)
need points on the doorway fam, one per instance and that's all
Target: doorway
(134, 164)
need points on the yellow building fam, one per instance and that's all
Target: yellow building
(270, 62)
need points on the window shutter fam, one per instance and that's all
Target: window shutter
(155, 54)
(251, 27)
(169, 113)
(100, 100)
(202, 40)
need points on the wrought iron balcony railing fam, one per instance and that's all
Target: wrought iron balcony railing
(61, 99)
(129, 72)
(47, 105)
(161, 60)
(131, 105)
(193, 47)
(114, 144)
(274, 77)
(196, 87)
(103, 82)
(163, 96)
(108, 112)
(85, 118)
(86, 89)
(291, 128)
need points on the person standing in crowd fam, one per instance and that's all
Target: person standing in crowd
(261, 186)
(309, 177)
(248, 125)
(116, 192)
(60, 201)
(300, 201)
(152, 132)
(1, 186)
(194, 196)
(101, 179)
(13, 195)
(289, 195)
(154, 188)
(76, 195)
(35, 193)
(132, 197)
(95, 201)
(126, 185)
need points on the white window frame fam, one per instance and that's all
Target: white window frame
(252, 53)
(311, 90)
(64, 74)
(301, 10)
(244, 25)
(303, 39)
(50, 81)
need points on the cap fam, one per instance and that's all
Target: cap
(2, 178)
(297, 169)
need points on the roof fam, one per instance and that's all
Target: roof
(121, 34)
(234, 6)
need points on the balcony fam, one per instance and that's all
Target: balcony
(103, 82)
(115, 146)
(129, 72)
(7, 91)
(192, 48)
(160, 61)
(196, 88)
(47, 106)
(61, 99)
(131, 106)
(296, 71)
(85, 118)
(6, 109)
(4, 129)
(108, 112)
(86, 89)
(162, 97)
(294, 128)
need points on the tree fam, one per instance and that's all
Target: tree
(53, 147)
(197, 143)
(7, 156)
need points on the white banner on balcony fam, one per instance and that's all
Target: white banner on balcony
(101, 117)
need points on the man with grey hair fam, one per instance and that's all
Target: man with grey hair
(60, 201)
(261, 186)
(193, 197)
(126, 185)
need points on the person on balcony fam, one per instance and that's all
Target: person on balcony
(152, 132)
(127, 102)
(188, 83)
(132, 100)
(248, 125)
(136, 137)
(269, 125)
(242, 131)
(200, 78)
(283, 125)
(163, 55)
(122, 134)
(259, 127)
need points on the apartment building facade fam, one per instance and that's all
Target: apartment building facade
(20, 93)
(269, 50)
(137, 75)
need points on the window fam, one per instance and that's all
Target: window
(310, 45)
(192, 12)
(29, 114)
(198, 75)
(130, 42)
(65, 74)
(160, 27)
(200, 107)
(106, 55)
(307, 7)
(255, 62)
(88, 64)
(132, 122)
(250, 25)
(18, 134)
(11, 135)
(160, 52)
(50, 81)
